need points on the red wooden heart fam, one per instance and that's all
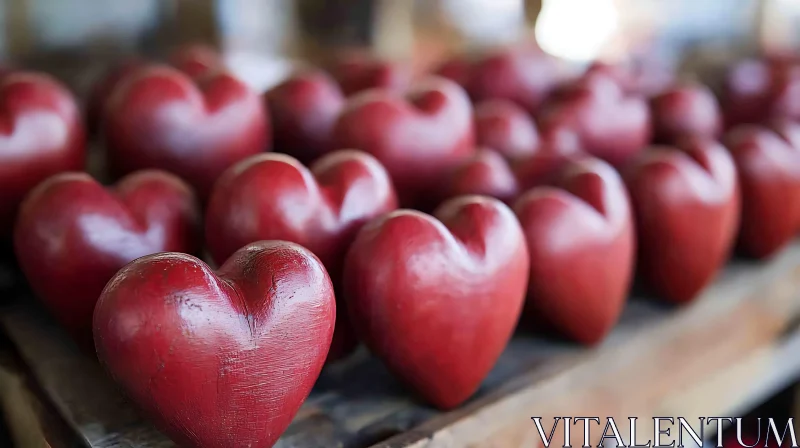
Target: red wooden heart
(104, 85)
(219, 359)
(418, 139)
(523, 74)
(487, 173)
(73, 235)
(304, 109)
(196, 60)
(609, 124)
(160, 119)
(687, 110)
(274, 197)
(506, 128)
(41, 134)
(581, 243)
(437, 301)
(687, 209)
(769, 178)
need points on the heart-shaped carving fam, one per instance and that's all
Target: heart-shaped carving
(274, 197)
(609, 124)
(41, 134)
(438, 299)
(769, 178)
(523, 74)
(159, 118)
(418, 139)
(73, 235)
(487, 173)
(755, 90)
(686, 110)
(506, 128)
(581, 242)
(219, 359)
(304, 109)
(687, 209)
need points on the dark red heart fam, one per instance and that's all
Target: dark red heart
(687, 209)
(756, 90)
(418, 138)
(522, 74)
(438, 300)
(581, 242)
(769, 178)
(488, 173)
(161, 119)
(506, 128)
(41, 134)
(219, 359)
(304, 109)
(73, 235)
(356, 72)
(274, 197)
(608, 123)
(688, 110)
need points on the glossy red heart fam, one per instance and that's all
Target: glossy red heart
(356, 72)
(769, 178)
(522, 74)
(41, 134)
(437, 299)
(488, 173)
(159, 118)
(756, 90)
(73, 235)
(579, 231)
(218, 359)
(418, 138)
(274, 197)
(687, 110)
(506, 128)
(194, 60)
(303, 110)
(687, 209)
(608, 123)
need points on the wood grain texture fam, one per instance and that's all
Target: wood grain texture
(720, 355)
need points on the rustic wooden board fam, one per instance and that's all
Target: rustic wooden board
(733, 347)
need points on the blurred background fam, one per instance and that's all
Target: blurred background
(263, 39)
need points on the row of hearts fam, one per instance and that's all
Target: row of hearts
(407, 262)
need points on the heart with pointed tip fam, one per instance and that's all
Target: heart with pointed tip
(686, 202)
(160, 118)
(437, 298)
(580, 236)
(41, 134)
(418, 138)
(73, 235)
(506, 128)
(769, 179)
(303, 110)
(274, 197)
(218, 359)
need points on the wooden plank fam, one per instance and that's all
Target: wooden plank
(724, 352)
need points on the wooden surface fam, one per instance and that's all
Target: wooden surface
(719, 356)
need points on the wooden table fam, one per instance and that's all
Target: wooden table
(732, 348)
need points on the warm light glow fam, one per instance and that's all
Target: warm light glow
(576, 29)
